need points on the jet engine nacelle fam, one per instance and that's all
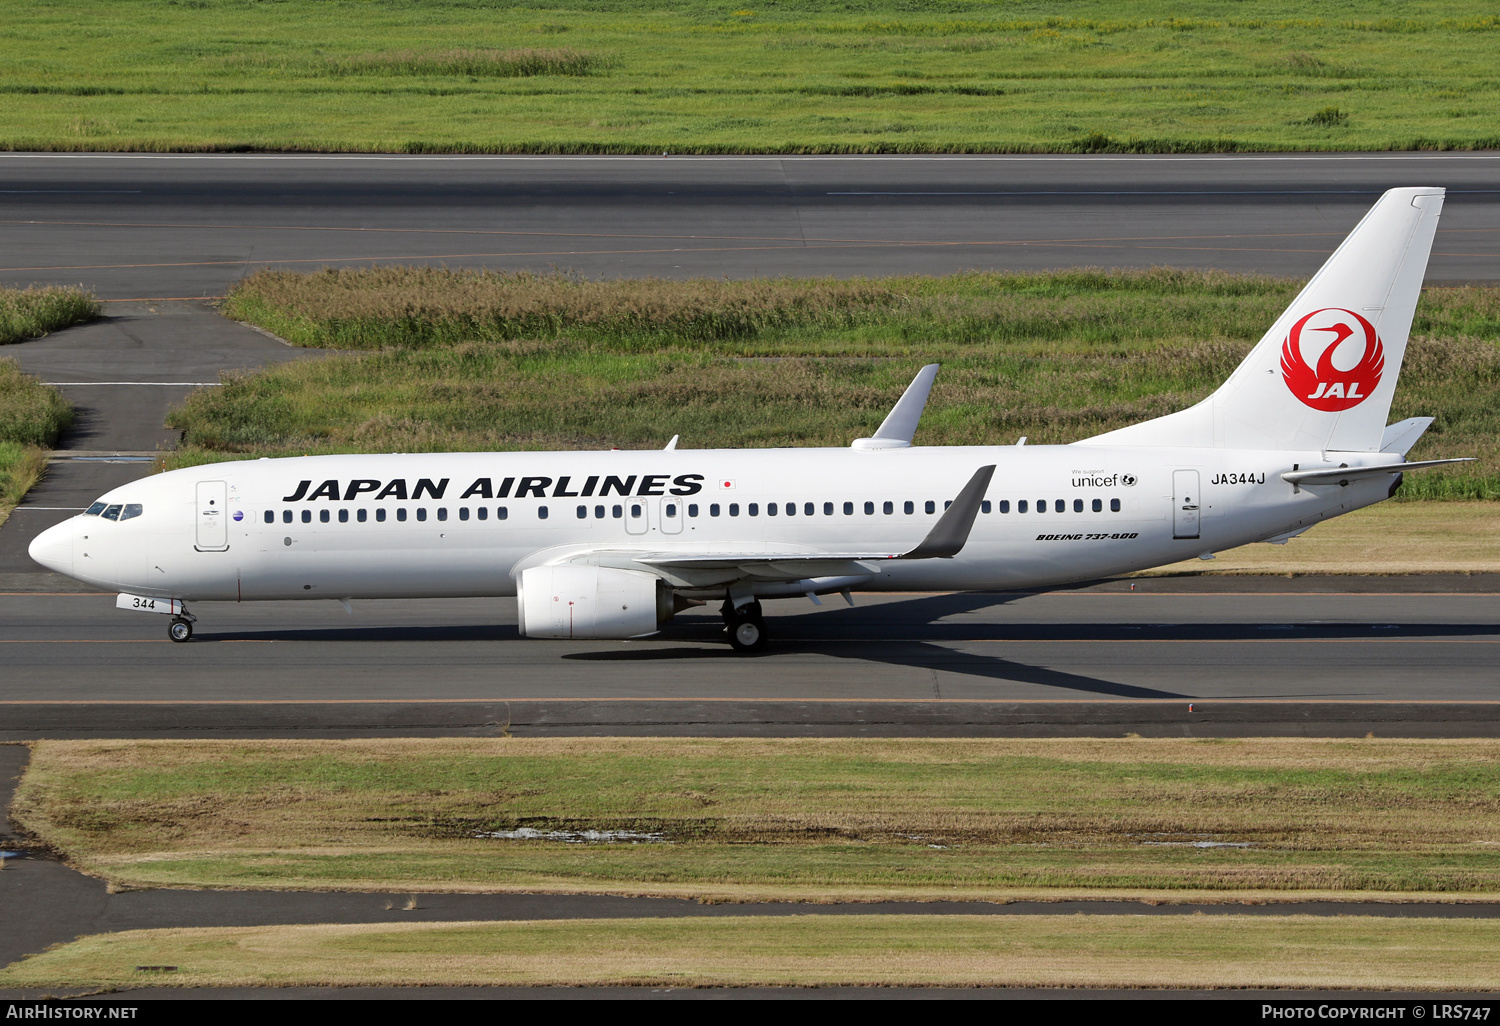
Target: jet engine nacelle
(588, 602)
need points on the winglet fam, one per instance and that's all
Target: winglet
(949, 535)
(896, 431)
(673, 443)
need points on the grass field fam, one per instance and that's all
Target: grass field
(1391, 538)
(32, 313)
(31, 417)
(454, 360)
(804, 819)
(1196, 952)
(814, 76)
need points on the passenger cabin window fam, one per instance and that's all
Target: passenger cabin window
(482, 513)
(541, 512)
(1005, 506)
(984, 507)
(869, 509)
(1060, 505)
(734, 509)
(1077, 505)
(771, 509)
(617, 512)
(911, 507)
(713, 509)
(343, 516)
(442, 512)
(1021, 506)
(401, 514)
(463, 512)
(501, 513)
(931, 507)
(1114, 505)
(323, 516)
(421, 512)
(131, 511)
(94, 510)
(363, 515)
(828, 509)
(380, 515)
(598, 512)
(286, 516)
(583, 512)
(848, 509)
(1098, 506)
(753, 509)
(888, 507)
(307, 516)
(692, 509)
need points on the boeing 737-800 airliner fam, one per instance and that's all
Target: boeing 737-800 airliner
(612, 544)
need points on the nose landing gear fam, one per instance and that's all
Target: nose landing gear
(746, 626)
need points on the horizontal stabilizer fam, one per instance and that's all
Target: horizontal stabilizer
(1401, 436)
(1343, 475)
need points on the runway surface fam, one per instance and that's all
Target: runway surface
(145, 230)
(1090, 661)
(156, 225)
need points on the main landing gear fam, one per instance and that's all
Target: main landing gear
(180, 629)
(746, 626)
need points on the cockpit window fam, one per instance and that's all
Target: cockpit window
(94, 510)
(132, 509)
(112, 513)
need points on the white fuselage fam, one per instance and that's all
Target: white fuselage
(411, 526)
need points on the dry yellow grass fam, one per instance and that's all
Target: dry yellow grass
(811, 819)
(1391, 538)
(1094, 951)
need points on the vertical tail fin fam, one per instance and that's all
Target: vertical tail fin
(1323, 376)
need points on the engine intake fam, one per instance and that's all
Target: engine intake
(590, 602)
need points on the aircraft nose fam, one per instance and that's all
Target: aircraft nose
(53, 548)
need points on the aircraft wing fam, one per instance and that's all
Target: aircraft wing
(946, 539)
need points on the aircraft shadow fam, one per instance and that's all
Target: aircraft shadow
(916, 633)
(918, 655)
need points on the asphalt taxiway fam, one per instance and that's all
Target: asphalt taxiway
(1172, 658)
(133, 226)
(147, 230)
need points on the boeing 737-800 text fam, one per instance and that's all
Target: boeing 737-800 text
(612, 544)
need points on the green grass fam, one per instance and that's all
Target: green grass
(1372, 953)
(795, 77)
(808, 819)
(455, 360)
(32, 415)
(32, 313)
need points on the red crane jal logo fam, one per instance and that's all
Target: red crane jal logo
(1350, 359)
